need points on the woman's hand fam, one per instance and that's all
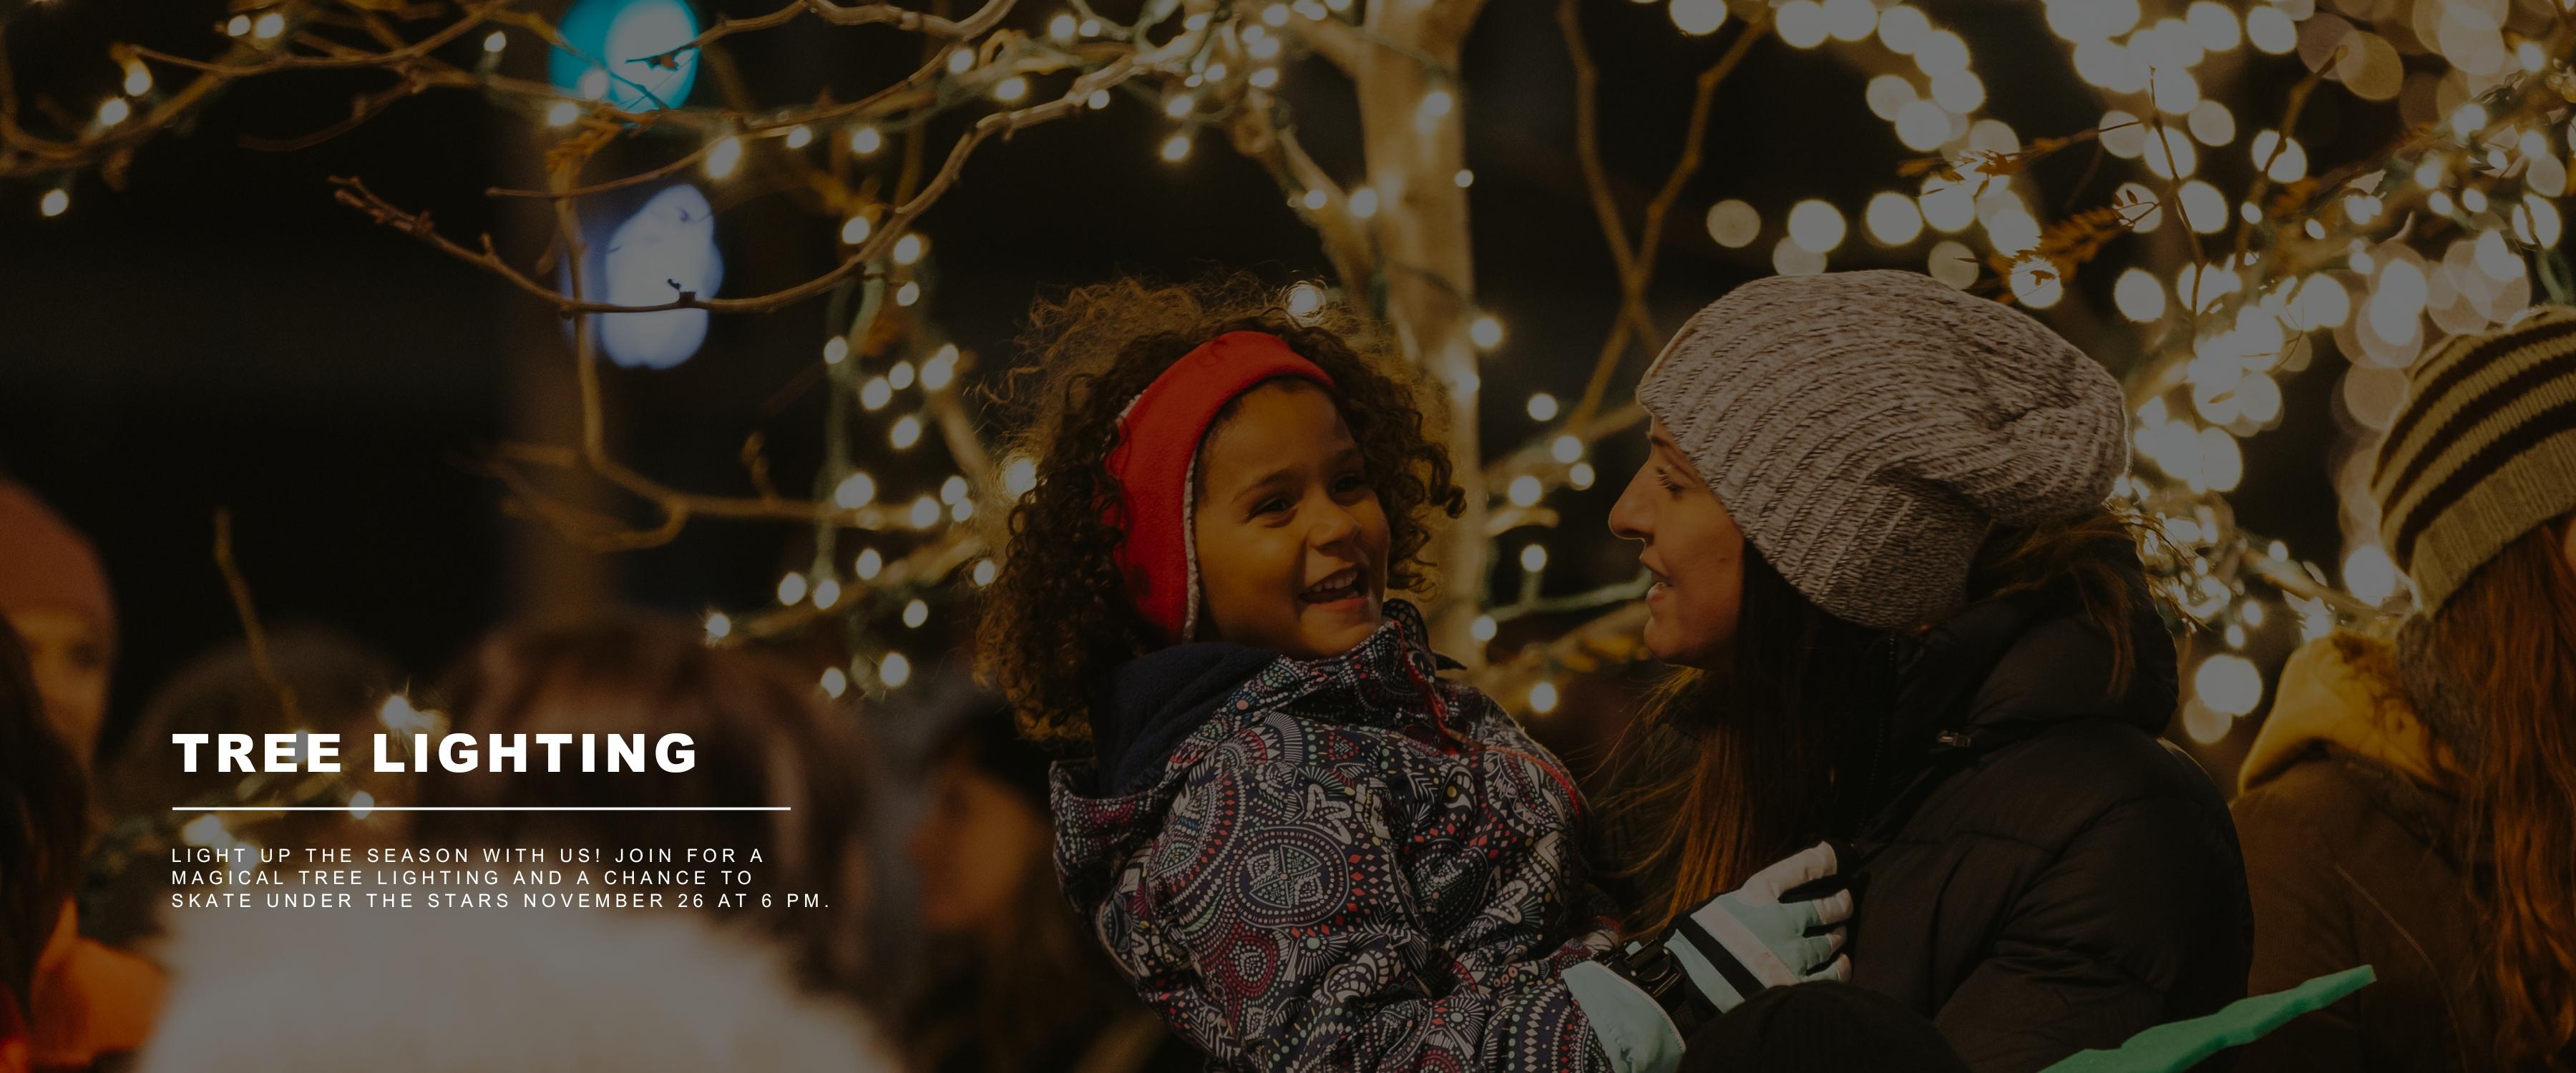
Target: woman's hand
(1769, 932)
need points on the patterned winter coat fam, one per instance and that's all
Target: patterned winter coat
(1343, 863)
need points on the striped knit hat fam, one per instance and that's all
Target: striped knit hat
(1865, 428)
(2484, 450)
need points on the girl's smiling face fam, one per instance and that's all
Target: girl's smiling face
(1292, 541)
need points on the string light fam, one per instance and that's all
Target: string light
(855, 491)
(835, 682)
(113, 111)
(1019, 477)
(961, 61)
(1098, 100)
(910, 247)
(907, 294)
(940, 369)
(237, 25)
(1542, 406)
(493, 43)
(866, 140)
(1525, 490)
(54, 202)
(268, 26)
(799, 136)
(874, 394)
(856, 230)
(1363, 203)
(925, 512)
(985, 571)
(724, 157)
(1542, 698)
(791, 589)
(915, 613)
(562, 113)
(906, 432)
(1566, 448)
(1011, 89)
(1485, 331)
(1176, 148)
(719, 626)
(1534, 558)
(1483, 629)
(138, 78)
(826, 593)
(1061, 28)
(1579, 475)
(868, 565)
(894, 670)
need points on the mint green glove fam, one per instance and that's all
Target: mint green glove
(1748, 940)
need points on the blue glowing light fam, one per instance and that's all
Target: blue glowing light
(624, 52)
(668, 248)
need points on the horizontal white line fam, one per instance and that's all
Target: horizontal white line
(480, 808)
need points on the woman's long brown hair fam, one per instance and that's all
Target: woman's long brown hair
(1730, 770)
(2507, 640)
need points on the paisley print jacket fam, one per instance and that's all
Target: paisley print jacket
(1351, 864)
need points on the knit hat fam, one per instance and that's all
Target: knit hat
(2484, 450)
(1156, 464)
(45, 563)
(1864, 428)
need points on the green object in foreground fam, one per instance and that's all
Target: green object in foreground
(2181, 1045)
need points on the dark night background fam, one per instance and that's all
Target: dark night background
(220, 333)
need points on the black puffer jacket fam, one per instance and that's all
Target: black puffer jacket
(2042, 874)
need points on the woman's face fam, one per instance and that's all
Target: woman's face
(1292, 542)
(1694, 551)
(974, 849)
(70, 661)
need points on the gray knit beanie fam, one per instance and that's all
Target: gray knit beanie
(1864, 428)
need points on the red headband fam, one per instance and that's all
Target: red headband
(1156, 462)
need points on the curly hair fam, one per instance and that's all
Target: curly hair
(1057, 618)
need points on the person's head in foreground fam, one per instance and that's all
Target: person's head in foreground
(2437, 773)
(761, 735)
(56, 596)
(1270, 493)
(705, 982)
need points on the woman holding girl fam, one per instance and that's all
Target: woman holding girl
(1305, 848)
(1875, 514)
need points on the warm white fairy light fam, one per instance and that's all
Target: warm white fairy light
(952, 489)
(1061, 27)
(724, 157)
(835, 682)
(868, 565)
(1485, 331)
(1019, 477)
(910, 247)
(1542, 698)
(907, 294)
(985, 571)
(1579, 475)
(875, 393)
(562, 113)
(1816, 226)
(826, 593)
(2139, 295)
(915, 613)
(1893, 219)
(925, 512)
(856, 230)
(1525, 490)
(1304, 300)
(1098, 100)
(866, 140)
(138, 78)
(791, 589)
(1363, 202)
(1534, 558)
(1542, 406)
(54, 202)
(941, 369)
(1483, 628)
(906, 432)
(1176, 148)
(894, 670)
(900, 376)
(113, 111)
(1733, 224)
(719, 626)
(855, 491)
(1436, 106)
(238, 25)
(1463, 179)
(961, 61)
(2228, 684)
(1179, 105)
(268, 26)
(1314, 198)
(799, 136)
(1800, 23)
(1566, 448)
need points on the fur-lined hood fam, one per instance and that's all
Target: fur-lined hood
(451, 990)
(2344, 690)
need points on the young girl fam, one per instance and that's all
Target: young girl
(1306, 849)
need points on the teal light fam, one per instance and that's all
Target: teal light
(624, 53)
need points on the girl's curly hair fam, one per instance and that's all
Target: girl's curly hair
(1057, 618)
